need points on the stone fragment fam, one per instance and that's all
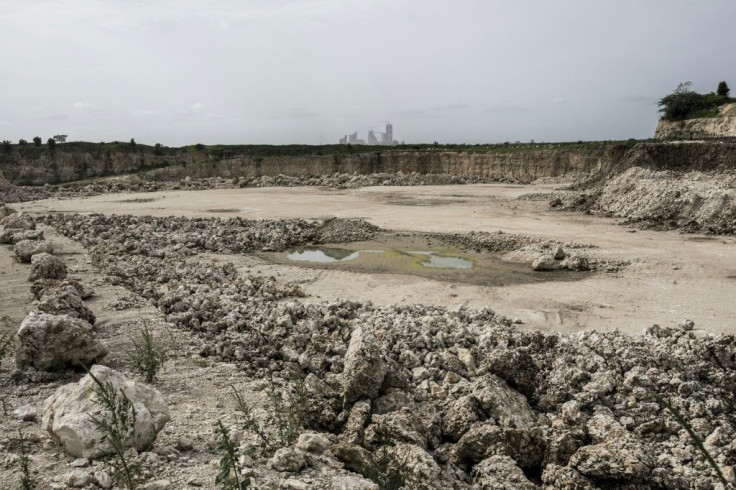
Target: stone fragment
(18, 221)
(288, 459)
(46, 266)
(500, 473)
(25, 249)
(12, 236)
(51, 342)
(65, 300)
(364, 370)
(313, 442)
(67, 414)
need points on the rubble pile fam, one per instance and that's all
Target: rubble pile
(454, 398)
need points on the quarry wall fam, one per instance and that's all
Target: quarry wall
(591, 161)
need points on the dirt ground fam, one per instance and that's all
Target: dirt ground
(671, 276)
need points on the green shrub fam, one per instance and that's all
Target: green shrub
(116, 422)
(723, 89)
(285, 416)
(147, 354)
(26, 482)
(231, 476)
(684, 103)
(37, 140)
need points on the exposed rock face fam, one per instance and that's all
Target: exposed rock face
(46, 266)
(66, 413)
(25, 249)
(695, 201)
(704, 127)
(364, 369)
(52, 342)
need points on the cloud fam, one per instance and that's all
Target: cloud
(57, 117)
(432, 112)
(291, 113)
(6, 124)
(146, 113)
(507, 109)
(558, 100)
(638, 99)
(196, 106)
(82, 105)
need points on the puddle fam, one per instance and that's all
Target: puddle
(443, 262)
(428, 259)
(417, 255)
(323, 255)
(223, 210)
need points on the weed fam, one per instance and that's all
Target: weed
(147, 354)
(388, 471)
(285, 416)
(117, 423)
(6, 344)
(229, 477)
(26, 478)
(696, 440)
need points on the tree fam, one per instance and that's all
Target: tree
(157, 149)
(22, 142)
(723, 89)
(37, 140)
(51, 142)
(6, 146)
(60, 138)
(132, 141)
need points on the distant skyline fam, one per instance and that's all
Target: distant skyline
(310, 71)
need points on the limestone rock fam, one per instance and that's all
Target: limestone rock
(500, 473)
(18, 221)
(46, 266)
(313, 442)
(11, 236)
(545, 262)
(364, 370)
(288, 459)
(25, 249)
(49, 342)
(352, 483)
(65, 300)
(66, 413)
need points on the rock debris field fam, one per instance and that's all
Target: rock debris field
(158, 352)
(262, 388)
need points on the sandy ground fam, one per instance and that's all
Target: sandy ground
(671, 276)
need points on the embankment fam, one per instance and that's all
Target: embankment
(589, 162)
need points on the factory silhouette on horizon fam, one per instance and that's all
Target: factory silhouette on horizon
(383, 139)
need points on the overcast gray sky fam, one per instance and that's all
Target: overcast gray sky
(309, 71)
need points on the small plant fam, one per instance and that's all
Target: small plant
(51, 142)
(26, 481)
(284, 420)
(6, 146)
(229, 477)
(388, 471)
(117, 423)
(147, 354)
(6, 344)
(22, 142)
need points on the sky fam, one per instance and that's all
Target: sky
(179, 72)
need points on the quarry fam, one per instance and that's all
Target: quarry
(516, 316)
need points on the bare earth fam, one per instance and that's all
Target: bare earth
(671, 276)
